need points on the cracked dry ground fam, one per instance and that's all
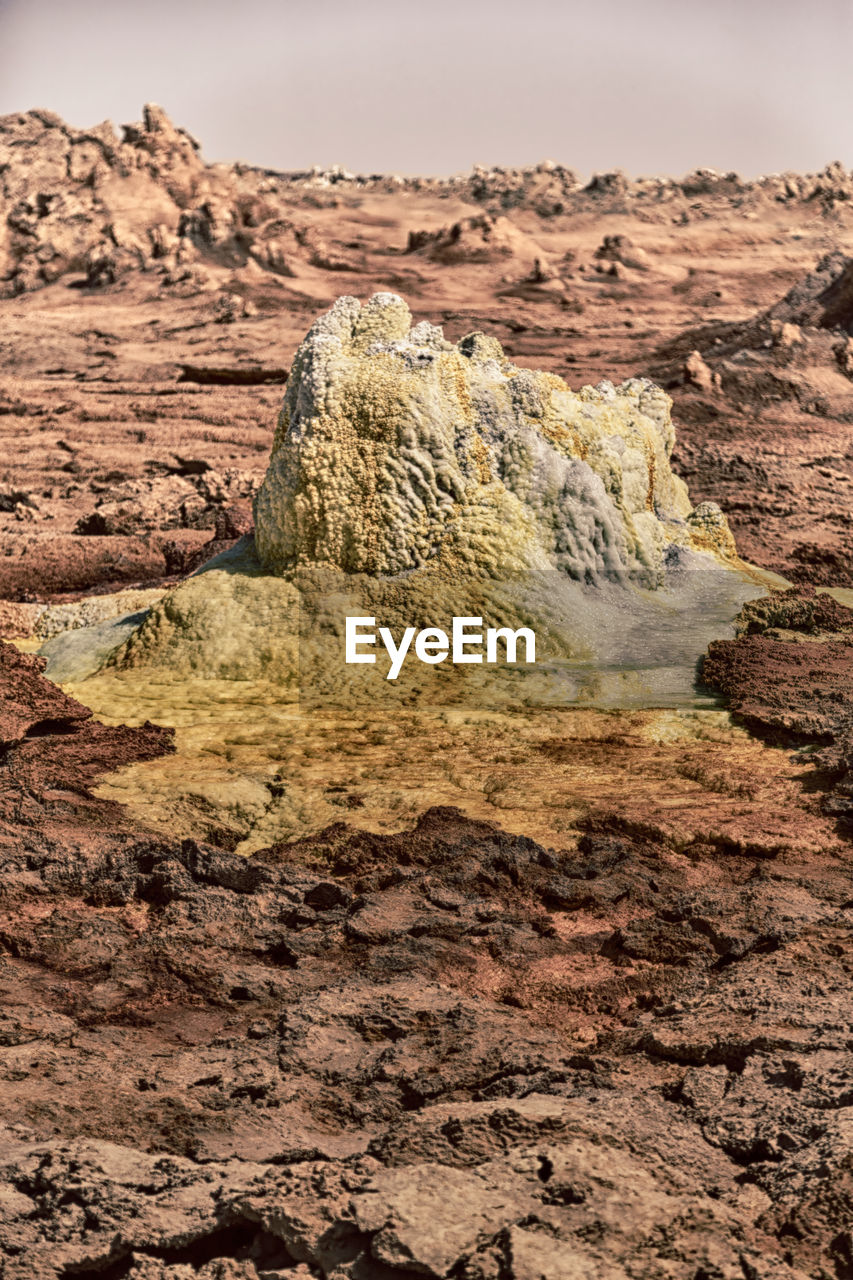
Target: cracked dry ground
(447, 1052)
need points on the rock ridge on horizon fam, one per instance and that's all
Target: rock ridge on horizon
(91, 204)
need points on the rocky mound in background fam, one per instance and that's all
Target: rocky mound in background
(782, 352)
(823, 299)
(91, 204)
(795, 327)
(551, 189)
(482, 239)
(451, 1052)
(792, 360)
(87, 201)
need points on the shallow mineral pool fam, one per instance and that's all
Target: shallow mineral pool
(254, 766)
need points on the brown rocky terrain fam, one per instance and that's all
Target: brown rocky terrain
(592, 1019)
(631, 1058)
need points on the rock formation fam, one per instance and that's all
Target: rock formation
(418, 480)
(481, 239)
(87, 201)
(396, 449)
(823, 299)
(94, 206)
(621, 250)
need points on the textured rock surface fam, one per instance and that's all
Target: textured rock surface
(415, 480)
(230, 621)
(790, 672)
(396, 448)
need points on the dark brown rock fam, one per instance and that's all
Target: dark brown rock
(784, 682)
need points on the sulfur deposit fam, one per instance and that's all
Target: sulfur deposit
(396, 449)
(415, 479)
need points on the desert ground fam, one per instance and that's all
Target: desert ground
(495, 995)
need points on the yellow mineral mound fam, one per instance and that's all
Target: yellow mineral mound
(414, 482)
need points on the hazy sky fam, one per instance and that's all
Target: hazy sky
(434, 86)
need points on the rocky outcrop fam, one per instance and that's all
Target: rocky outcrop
(823, 299)
(482, 238)
(789, 364)
(46, 566)
(550, 189)
(87, 201)
(396, 448)
(781, 341)
(789, 674)
(52, 751)
(620, 249)
(89, 204)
